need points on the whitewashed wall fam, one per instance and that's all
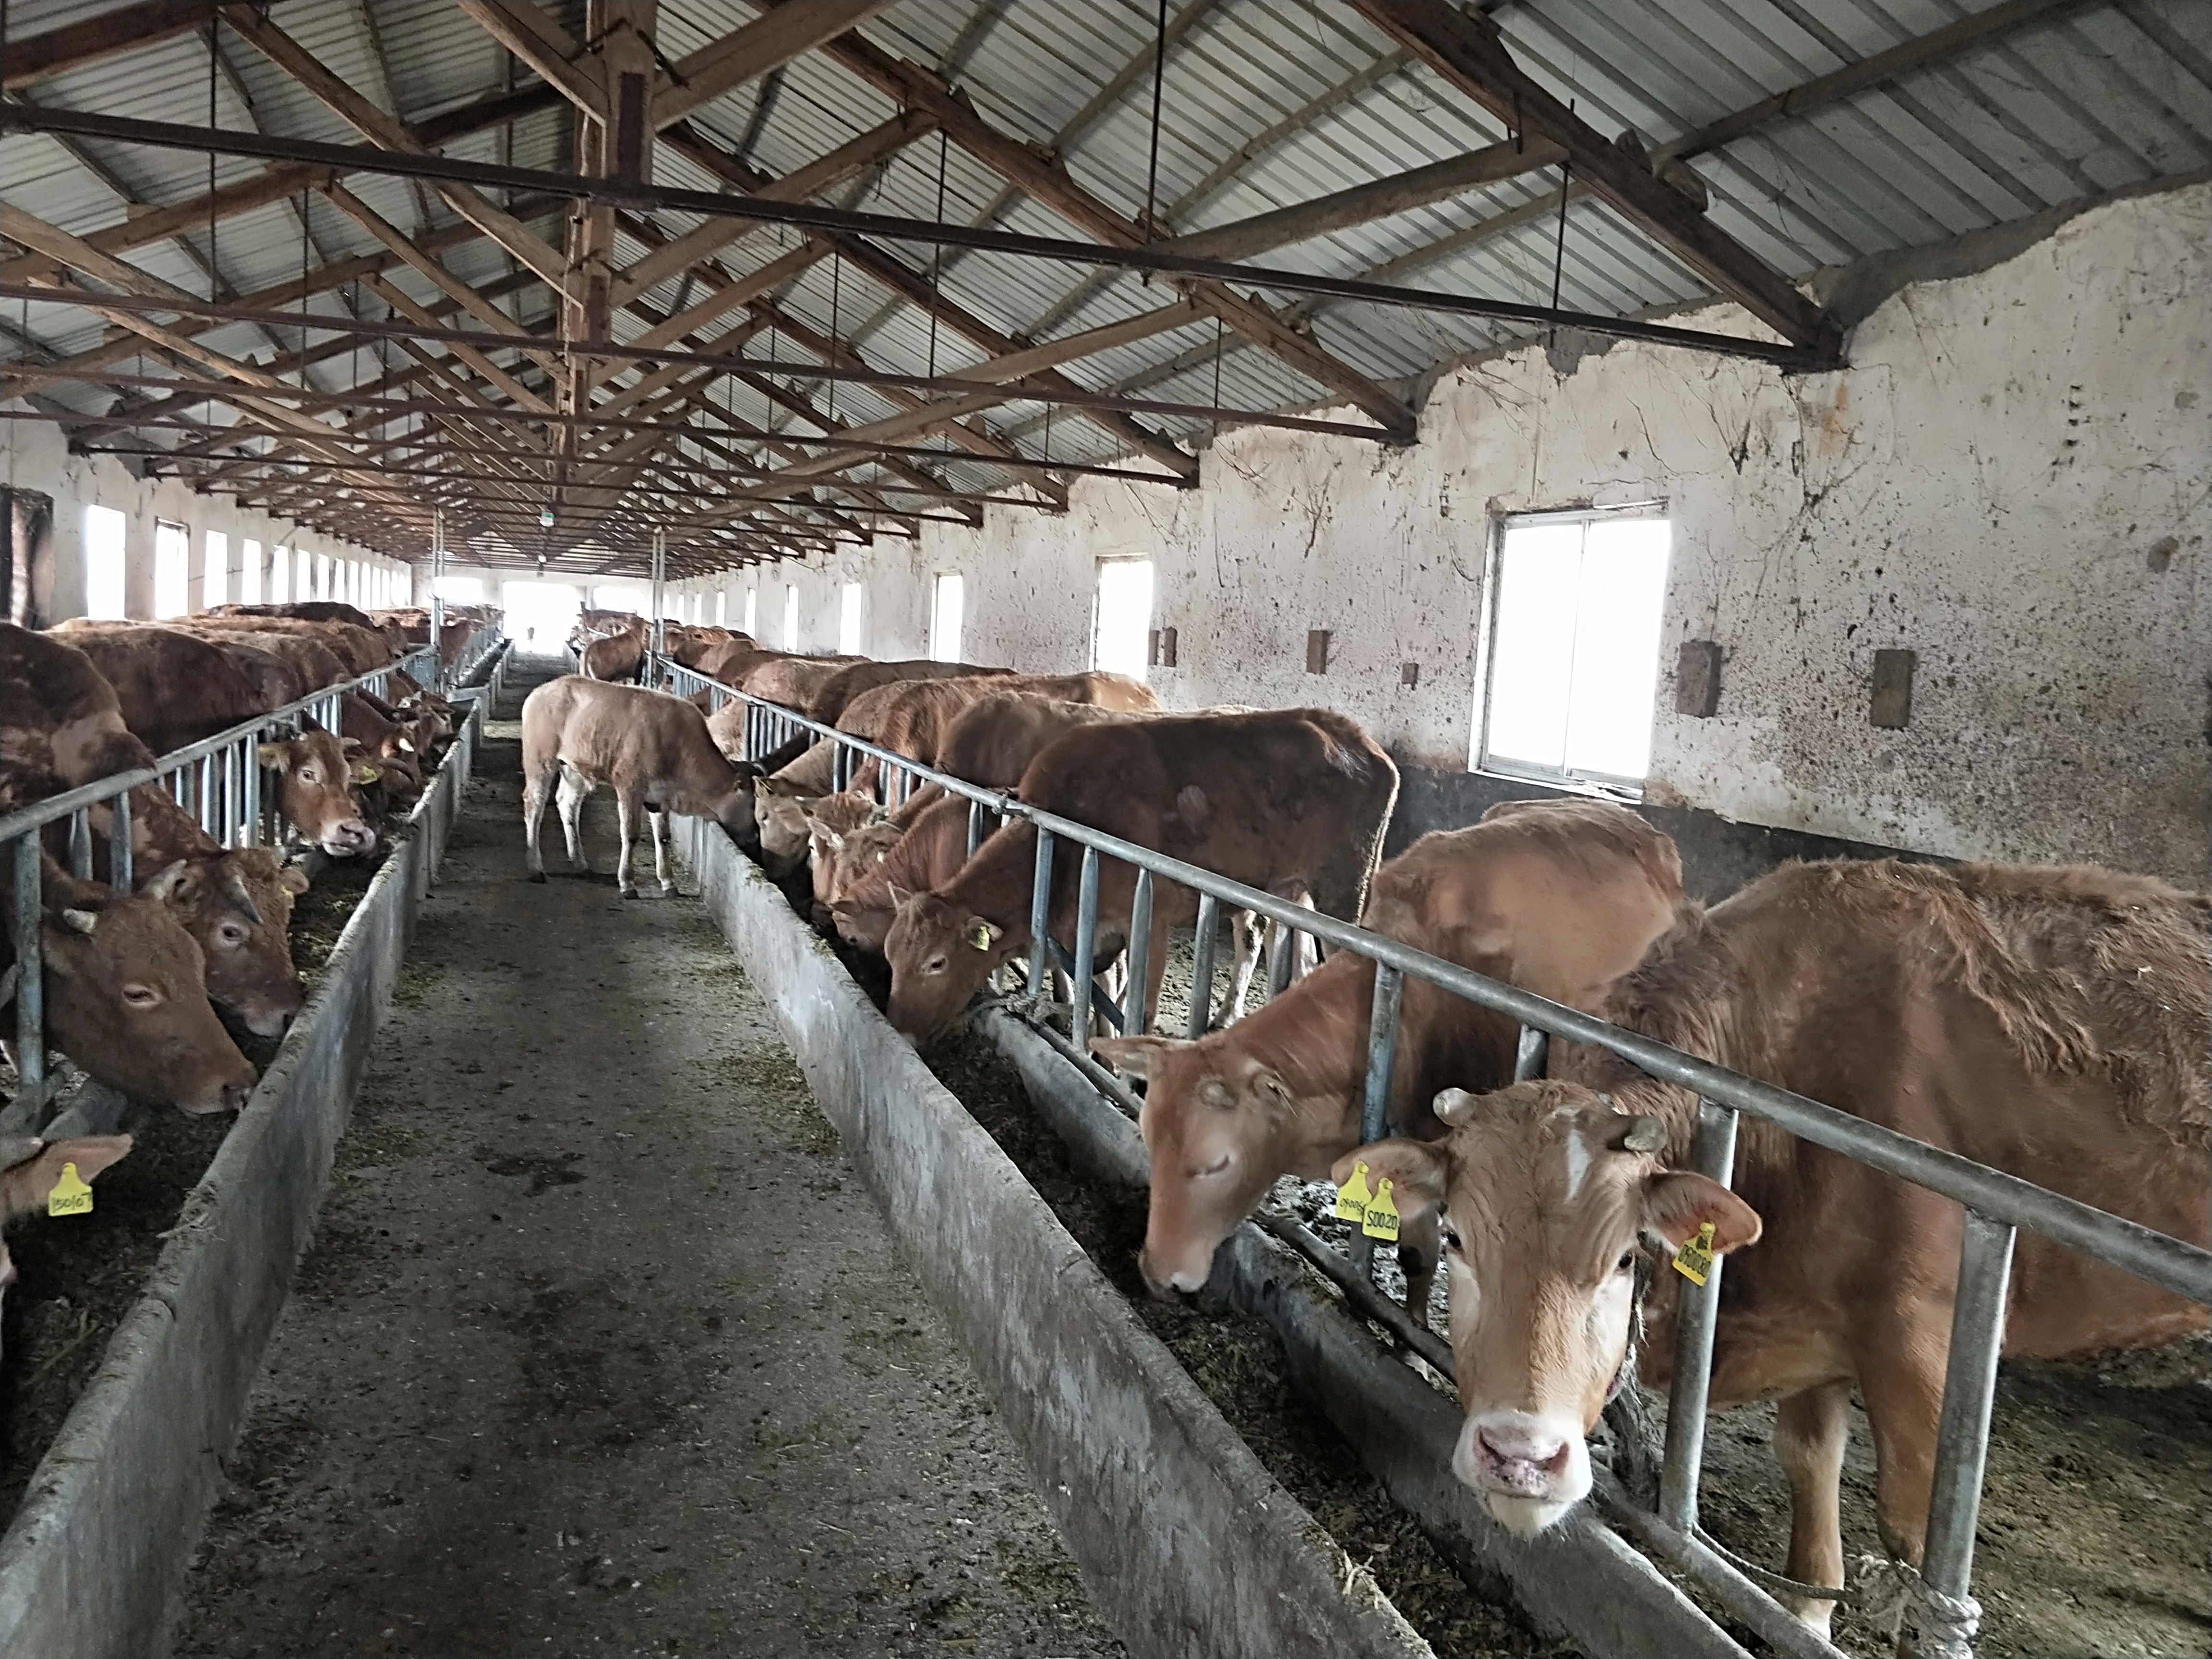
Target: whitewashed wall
(35, 456)
(2011, 479)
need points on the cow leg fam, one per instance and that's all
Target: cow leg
(574, 788)
(660, 822)
(1903, 1387)
(1809, 1431)
(1289, 946)
(533, 820)
(626, 822)
(1250, 932)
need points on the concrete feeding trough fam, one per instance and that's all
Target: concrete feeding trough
(92, 1564)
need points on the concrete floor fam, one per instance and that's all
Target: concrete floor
(601, 1349)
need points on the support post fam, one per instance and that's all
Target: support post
(1382, 1052)
(119, 844)
(1083, 967)
(1201, 966)
(974, 826)
(1969, 1381)
(1533, 1055)
(30, 989)
(1713, 1154)
(1133, 1011)
(1040, 916)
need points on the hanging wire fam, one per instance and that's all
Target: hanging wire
(304, 266)
(1152, 167)
(1217, 378)
(836, 273)
(937, 251)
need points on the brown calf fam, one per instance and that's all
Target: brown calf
(1291, 799)
(2045, 1022)
(652, 749)
(1559, 897)
(926, 855)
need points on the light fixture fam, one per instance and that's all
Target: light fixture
(546, 518)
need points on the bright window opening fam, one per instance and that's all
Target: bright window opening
(1574, 651)
(323, 590)
(1122, 617)
(280, 580)
(790, 617)
(173, 569)
(947, 616)
(722, 607)
(609, 597)
(103, 561)
(249, 573)
(752, 613)
(849, 621)
(539, 614)
(215, 575)
(460, 590)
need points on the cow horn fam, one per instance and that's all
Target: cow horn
(233, 888)
(82, 921)
(1639, 1135)
(1455, 1107)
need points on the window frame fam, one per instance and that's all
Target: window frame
(120, 579)
(1573, 779)
(937, 647)
(1141, 671)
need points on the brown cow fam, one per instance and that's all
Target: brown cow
(302, 611)
(126, 995)
(927, 855)
(652, 748)
(60, 727)
(1558, 898)
(1293, 800)
(616, 657)
(911, 717)
(2046, 1022)
(319, 786)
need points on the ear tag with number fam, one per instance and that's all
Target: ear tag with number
(1694, 1261)
(1351, 1197)
(71, 1196)
(1381, 1220)
(980, 938)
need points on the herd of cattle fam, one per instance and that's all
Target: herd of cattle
(2046, 1021)
(138, 986)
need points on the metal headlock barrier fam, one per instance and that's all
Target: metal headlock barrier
(216, 779)
(1936, 1599)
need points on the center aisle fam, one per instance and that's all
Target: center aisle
(601, 1347)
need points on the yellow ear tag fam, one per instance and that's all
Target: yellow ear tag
(980, 938)
(1351, 1197)
(1695, 1259)
(70, 1196)
(1381, 1218)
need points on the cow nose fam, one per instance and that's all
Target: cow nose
(236, 1095)
(1521, 1457)
(349, 835)
(1168, 1288)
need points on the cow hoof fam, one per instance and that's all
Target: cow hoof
(538, 876)
(629, 892)
(668, 889)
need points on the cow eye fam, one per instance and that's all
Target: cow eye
(1218, 1167)
(1628, 1262)
(231, 932)
(1450, 1237)
(141, 996)
(934, 965)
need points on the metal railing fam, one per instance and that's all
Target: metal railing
(1997, 1205)
(216, 779)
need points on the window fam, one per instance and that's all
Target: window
(323, 576)
(460, 590)
(1122, 615)
(540, 614)
(103, 561)
(173, 569)
(1574, 647)
(790, 617)
(249, 573)
(215, 578)
(722, 607)
(946, 617)
(752, 612)
(280, 578)
(849, 621)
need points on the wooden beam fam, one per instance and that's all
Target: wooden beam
(766, 43)
(538, 40)
(1470, 53)
(1046, 180)
(36, 58)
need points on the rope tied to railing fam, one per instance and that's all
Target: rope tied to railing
(1895, 1594)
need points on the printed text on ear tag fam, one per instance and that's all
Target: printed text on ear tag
(71, 1196)
(1351, 1197)
(1381, 1218)
(1695, 1259)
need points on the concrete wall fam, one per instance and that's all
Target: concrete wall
(2010, 479)
(36, 457)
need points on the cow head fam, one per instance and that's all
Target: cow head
(28, 1180)
(238, 906)
(1220, 1124)
(779, 814)
(1547, 1193)
(940, 956)
(126, 998)
(320, 790)
(843, 857)
(736, 809)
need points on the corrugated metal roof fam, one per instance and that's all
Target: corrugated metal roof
(1264, 104)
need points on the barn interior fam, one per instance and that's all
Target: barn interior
(1786, 419)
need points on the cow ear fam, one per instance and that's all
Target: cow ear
(275, 756)
(980, 934)
(26, 1185)
(899, 895)
(1455, 1107)
(1418, 1172)
(79, 921)
(169, 885)
(293, 879)
(1139, 1056)
(1274, 1092)
(1636, 1133)
(1677, 1205)
(309, 723)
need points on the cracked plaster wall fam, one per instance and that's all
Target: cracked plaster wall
(2010, 479)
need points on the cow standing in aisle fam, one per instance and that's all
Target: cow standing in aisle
(2048, 1023)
